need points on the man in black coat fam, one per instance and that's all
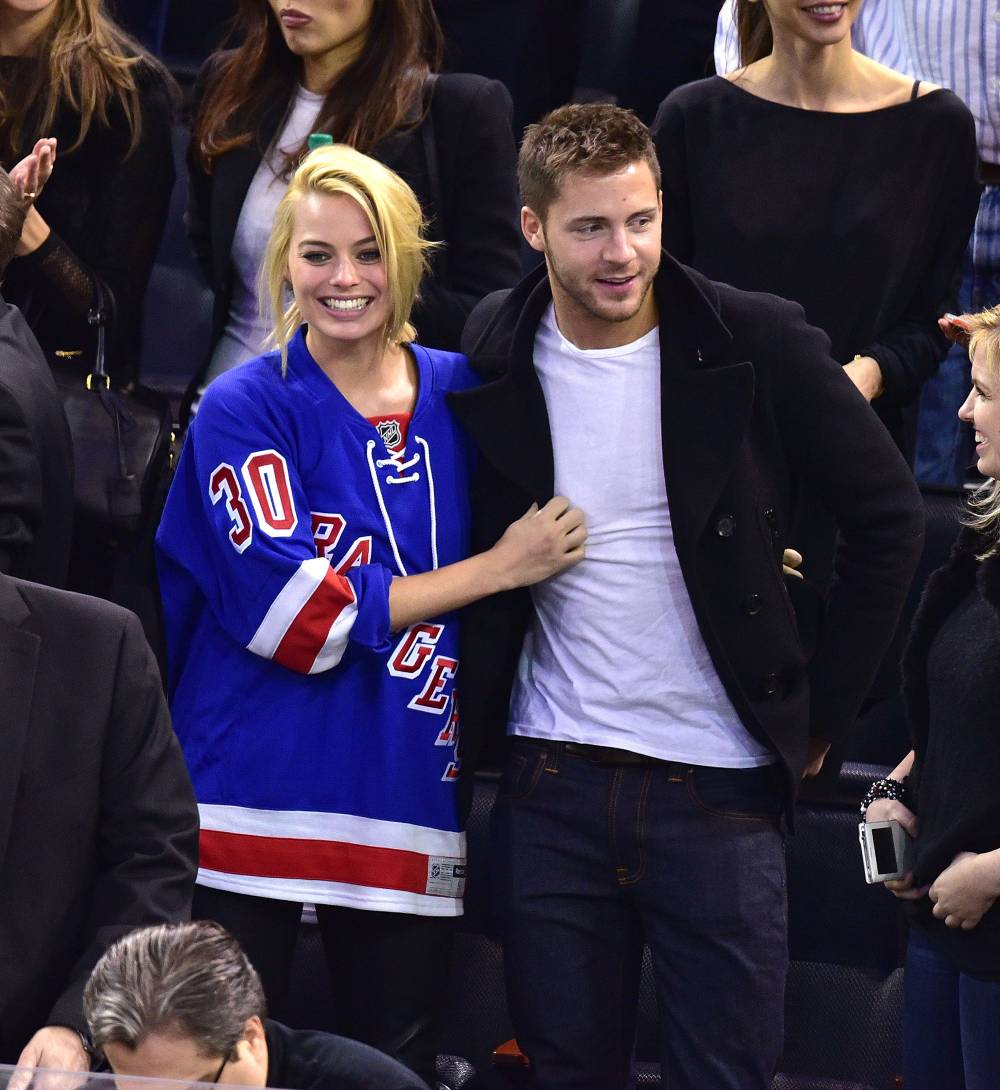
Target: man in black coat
(36, 455)
(664, 707)
(98, 823)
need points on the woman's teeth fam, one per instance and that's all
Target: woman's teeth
(358, 303)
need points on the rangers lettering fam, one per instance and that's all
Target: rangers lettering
(326, 532)
(224, 482)
(414, 649)
(432, 699)
(266, 476)
(359, 553)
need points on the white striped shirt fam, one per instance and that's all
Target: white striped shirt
(954, 43)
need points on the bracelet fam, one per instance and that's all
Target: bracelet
(887, 788)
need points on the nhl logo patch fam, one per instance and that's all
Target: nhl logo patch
(390, 432)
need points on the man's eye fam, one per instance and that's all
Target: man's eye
(588, 228)
(642, 222)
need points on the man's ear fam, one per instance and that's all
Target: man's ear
(531, 228)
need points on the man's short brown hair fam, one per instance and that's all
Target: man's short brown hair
(12, 210)
(591, 138)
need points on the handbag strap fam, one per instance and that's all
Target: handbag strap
(99, 316)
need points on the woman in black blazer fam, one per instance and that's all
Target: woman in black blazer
(364, 74)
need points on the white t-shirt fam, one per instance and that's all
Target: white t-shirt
(245, 329)
(615, 656)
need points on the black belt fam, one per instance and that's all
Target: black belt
(605, 755)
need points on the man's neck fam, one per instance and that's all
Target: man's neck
(588, 332)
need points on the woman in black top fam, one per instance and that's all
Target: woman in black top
(945, 791)
(68, 72)
(361, 71)
(819, 175)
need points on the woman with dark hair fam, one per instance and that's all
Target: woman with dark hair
(67, 72)
(944, 792)
(362, 71)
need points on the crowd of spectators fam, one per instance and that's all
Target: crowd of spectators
(628, 421)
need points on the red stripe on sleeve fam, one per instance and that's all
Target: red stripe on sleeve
(314, 860)
(308, 632)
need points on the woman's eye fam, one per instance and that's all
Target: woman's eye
(314, 257)
(369, 257)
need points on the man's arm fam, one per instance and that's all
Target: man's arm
(148, 839)
(843, 454)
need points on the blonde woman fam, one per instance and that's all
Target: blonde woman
(312, 555)
(945, 790)
(70, 76)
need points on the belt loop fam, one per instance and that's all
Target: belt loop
(553, 753)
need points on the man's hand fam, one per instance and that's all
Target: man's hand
(964, 891)
(58, 1047)
(815, 755)
(866, 374)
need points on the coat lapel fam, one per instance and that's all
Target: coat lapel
(19, 650)
(706, 400)
(508, 416)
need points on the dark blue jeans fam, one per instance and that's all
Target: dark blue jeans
(951, 1023)
(594, 860)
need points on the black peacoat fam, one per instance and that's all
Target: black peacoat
(98, 823)
(753, 407)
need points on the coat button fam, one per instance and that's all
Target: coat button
(726, 526)
(770, 515)
(769, 684)
(752, 605)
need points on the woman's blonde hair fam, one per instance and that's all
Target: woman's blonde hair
(984, 348)
(397, 224)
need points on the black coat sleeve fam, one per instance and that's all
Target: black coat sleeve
(478, 222)
(843, 453)
(910, 351)
(148, 837)
(20, 484)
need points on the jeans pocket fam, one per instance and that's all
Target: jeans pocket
(749, 794)
(521, 773)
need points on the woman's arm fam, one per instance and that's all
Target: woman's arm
(540, 544)
(908, 353)
(120, 234)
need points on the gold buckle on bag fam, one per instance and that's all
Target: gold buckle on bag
(90, 380)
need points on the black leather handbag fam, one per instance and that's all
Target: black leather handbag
(121, 441)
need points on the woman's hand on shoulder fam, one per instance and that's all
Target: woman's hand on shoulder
(541, 543)
(965, 890)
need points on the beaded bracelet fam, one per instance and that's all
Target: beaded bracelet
(887, 788)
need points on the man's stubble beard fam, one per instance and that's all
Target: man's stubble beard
(584, 301)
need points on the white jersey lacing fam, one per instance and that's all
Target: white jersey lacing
(401, 464)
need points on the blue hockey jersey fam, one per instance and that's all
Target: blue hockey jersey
(322, 746)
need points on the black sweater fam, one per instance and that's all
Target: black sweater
(951, 678)
(860, 217)
(106, 209)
